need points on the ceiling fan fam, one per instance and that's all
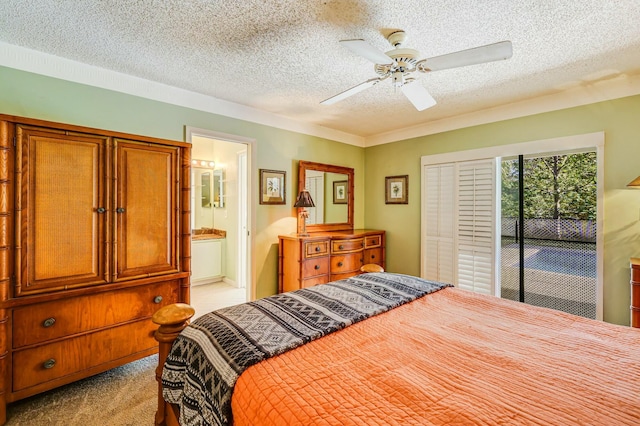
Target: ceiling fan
(399, 64)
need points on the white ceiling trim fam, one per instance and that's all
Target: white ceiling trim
(54, 66)
(583, 95)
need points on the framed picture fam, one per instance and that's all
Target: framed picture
(396, 190)
(340, 195)
(272, 187)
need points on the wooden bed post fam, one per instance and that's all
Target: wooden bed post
(172, 319)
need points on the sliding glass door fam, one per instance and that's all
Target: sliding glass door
(548, 231)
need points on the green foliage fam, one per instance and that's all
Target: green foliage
(559, 186)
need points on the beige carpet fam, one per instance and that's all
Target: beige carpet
(124, 396)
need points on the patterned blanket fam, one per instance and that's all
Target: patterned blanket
(211, 353)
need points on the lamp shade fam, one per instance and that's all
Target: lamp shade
(634, 183)
(304, 199)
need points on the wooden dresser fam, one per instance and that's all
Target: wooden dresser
(94, 238)
(635, 292)
(326, 256)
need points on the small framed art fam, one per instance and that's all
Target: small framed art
(396, 190)
(340, 195)
(272, 187)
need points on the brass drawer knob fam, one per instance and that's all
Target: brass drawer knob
(317, 267)
(157, 299)
(50, 363)
(101, 210)
(120, 210)
(373, 256)
(339, 263)
(48, 322)
(341, 247)
(317, 248)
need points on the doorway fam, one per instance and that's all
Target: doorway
(227, 214)
(461, 204)
(548, 232)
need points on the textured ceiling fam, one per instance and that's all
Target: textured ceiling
(284, 57)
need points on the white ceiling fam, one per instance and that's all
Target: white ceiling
(283, 57)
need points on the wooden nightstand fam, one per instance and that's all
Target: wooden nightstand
(635, 292)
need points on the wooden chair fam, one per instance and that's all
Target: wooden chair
(371, 267)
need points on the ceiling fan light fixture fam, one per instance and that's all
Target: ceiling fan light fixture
(398, 79)
(400, 63)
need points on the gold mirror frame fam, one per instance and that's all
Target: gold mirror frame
(303, 166)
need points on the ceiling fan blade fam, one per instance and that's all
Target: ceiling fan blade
(355, 89)
(476, 55)
(418, 95)
(364, 49)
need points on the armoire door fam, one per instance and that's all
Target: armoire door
(145, 210)
(61, 209)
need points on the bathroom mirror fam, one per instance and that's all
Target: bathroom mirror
(207, 194)
(205, 182)
(218, 188)
(331, 188)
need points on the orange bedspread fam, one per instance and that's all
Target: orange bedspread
(452, 357)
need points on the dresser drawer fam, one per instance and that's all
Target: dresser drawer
(316, 248)
(373, 256)
(50, 320)
(346, 263)
(347, 246)
(373, 241)
(55, 360)
(317, 266)
(323, 279)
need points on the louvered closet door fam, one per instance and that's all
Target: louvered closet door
(439, 262)
(476, 201)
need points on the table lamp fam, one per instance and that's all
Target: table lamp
(304, 200)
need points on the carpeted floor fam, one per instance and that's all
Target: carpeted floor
(123, 396)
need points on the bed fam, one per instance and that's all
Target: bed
(383, 348)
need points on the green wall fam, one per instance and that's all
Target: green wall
(36, 96)
(620, 121)
(31, 95)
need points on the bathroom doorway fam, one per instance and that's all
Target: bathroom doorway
(220, 217)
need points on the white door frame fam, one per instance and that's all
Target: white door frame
(243, 213)
(251, 186)
(564, 144)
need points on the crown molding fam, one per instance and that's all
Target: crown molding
(583, 94)
(65, 69)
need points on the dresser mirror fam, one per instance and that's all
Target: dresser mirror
(331, 188)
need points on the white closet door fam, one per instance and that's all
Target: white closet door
(476, 224)
(440, 223)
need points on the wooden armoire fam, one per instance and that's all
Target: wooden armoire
(94, 238)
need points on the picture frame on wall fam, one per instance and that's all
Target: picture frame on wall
(396, 189)
(340, 192)
(273, 186)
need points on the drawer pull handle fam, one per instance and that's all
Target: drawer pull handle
(48, 364)
(48, 322)
(373, 256)
(339, 263)
(120, 210)
(157, 299)
(341, 247)
(317, 267)
(101, 210)
(317, 248)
